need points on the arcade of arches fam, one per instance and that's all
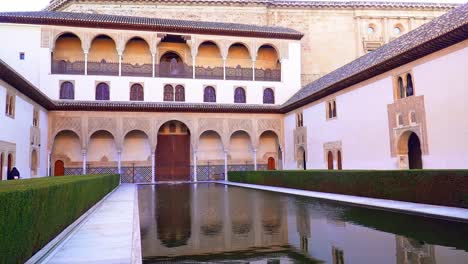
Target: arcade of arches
(175, 56)
(163, 147)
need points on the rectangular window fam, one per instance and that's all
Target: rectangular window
(22, 56)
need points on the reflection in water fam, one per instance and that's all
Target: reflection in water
(173, 215)
(212, 223)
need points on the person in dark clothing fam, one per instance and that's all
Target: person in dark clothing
(13, 174)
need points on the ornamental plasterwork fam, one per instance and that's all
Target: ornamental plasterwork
(130, 124)
(240, 124)
(269, 124)
(215, 124)
(334, 147)
(66, 123)
(102, 123)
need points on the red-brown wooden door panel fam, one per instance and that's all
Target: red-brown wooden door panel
(173, 158)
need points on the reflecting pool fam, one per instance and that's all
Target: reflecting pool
(214, 223)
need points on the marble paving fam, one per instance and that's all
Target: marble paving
(105, 236)
(436, 211)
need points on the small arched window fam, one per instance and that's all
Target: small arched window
(239, 95)
(340, 166)
(334, 108)
(7, 105)
(409, 85)
(401, 88)
(67, 91)
(209, 95)
(168, 93)
(102, 92)
(180, 93)
(268, 96)
(136, 92)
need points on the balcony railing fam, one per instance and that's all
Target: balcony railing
(267, 75)
(239, 73)
(215, 73)
(67, 67)
(103, 68)
(174, 70)
(164, 69)
(145, 70)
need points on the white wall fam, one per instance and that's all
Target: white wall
(17, 130)
(22, 38)
(443, 82)
(362, 117)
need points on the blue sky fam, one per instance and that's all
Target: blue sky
(31, 5)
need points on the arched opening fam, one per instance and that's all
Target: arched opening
(179, 93)
(330, 160)
(240, 151)
(301, 158)
(173, 152)
(67, 149)
(339, 161)
(103, 58)
(34, 162)
(414, 152)
(102, 92)
(239, 95)
(68, 55)
(137, 58)
(175, 57)
(268, 96)
(168, 93)
(137, 92)
(67, 91)
(209, 62)
(271, 164)
(267, 65)
(2, 161)
(59, 168)
(268, 147)
(210, 154)
(209, 95)
(239, 63)
(401, 88)
(173, 217)
(102, 153)
(136, 157)
(409, 85)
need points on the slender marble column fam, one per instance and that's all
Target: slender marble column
(225, 166)
(120, 64)
(195, 167)
(253, 70)
(153, 167)
(255, 159)
(86, 62)
(193, 66)
(84, 161)
(153, 60)
(48, 163)
(119, 162)
(224, 68)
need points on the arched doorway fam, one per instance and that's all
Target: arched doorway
(339, 161)
(330, 160)
(271, 163)
(173, 152)
(9, 163)
(414, 152)
(1, 166)
(33, 162)
(301, 158)
(59, 168)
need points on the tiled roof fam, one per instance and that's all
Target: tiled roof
(148, 24)
(57, 4)
(20, 83)
(440, 33)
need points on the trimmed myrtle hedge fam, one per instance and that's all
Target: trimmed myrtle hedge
(438, 187)
(34, 211)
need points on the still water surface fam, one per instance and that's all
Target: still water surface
(213, 223)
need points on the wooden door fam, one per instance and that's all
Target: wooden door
(330, 160)
(59, 168)
(271, 163)
(173, 158)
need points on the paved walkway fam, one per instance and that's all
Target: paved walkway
(445, 212)
(105, 236)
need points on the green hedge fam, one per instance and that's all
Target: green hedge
(34, 211)
(438, 187)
